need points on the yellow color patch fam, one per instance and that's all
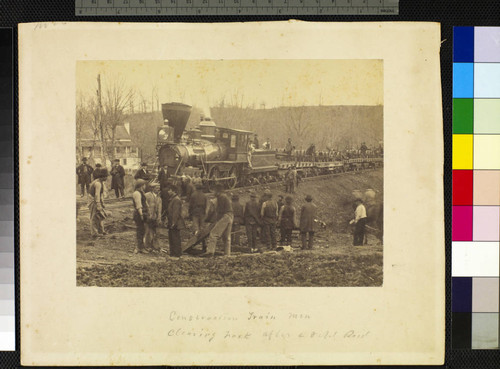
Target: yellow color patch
(462, 151)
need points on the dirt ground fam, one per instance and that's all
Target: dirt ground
(109, 261)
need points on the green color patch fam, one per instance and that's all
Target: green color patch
(463, 115)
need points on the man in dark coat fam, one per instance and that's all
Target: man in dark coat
(255, 141)
(286, 220)
(97, 171)
(142, 173)
(223, 223)
(175, 221)
(280, 202)
(84, 173)
(238, 220)
(307, 215)
(251, 215)
(163, 176)
(117, 179)
(198, 207)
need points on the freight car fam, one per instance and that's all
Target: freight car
(224, 155)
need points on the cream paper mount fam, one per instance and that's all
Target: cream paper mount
(401, 322)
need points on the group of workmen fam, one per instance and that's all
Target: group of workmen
(158, 204)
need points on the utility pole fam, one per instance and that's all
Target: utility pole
(99, 115)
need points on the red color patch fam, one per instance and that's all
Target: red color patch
(462, 187)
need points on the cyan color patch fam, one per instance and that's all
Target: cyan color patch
(463, 80)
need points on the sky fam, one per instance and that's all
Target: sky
(251, 83)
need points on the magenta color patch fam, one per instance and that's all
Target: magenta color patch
(462, 223)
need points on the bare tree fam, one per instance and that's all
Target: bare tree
(87, 121)
(116, 102)
(296, 125)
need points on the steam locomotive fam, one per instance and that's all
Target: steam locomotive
(224, 155)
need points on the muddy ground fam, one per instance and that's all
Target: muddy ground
(109, 261)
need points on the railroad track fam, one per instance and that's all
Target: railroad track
(127, 201)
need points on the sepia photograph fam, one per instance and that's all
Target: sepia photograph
(229, 173)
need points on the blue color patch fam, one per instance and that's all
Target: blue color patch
(461, 295)
(463, 44)
(463, 80)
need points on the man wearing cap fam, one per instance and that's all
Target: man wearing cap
(96, 206)
(97, 171)
(154, 218)
(359, 223)
(251, 215)
(223, 223)
(142, 173)
(307, 216)
(117, 179)
(269, 214)
(198, 207)
(84, 173)
(140, 214)
(175, 221)
(238, 220)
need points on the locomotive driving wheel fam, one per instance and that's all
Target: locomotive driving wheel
(233, 178)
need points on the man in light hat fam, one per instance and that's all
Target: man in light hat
(96, 206)
(251, 216)
(223, 223)
(117, 179)
(154, 219)
(307, 216)
(142, 173)
(84, 173)
(140, 214)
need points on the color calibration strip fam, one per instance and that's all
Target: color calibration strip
(7, 276)
(476, 188)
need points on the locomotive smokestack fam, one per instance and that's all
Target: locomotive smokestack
(177, 115)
